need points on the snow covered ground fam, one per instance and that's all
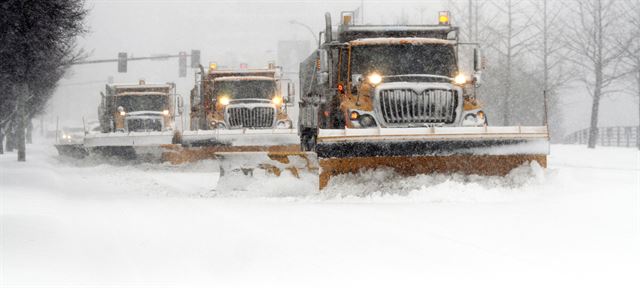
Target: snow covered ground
(78, 224)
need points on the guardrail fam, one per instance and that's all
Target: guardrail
(621, 136)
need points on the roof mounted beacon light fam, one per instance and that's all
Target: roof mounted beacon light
(443, 18)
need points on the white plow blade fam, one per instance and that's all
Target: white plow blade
(241, 137)
(131, 139)
(239, 170)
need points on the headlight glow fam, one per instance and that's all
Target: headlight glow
(122, 113)
(165, 112)
(460, 79)
(277, 100)
(224, 100)
(374, 78)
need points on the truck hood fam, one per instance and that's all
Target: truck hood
(144, 114)
(250, 101)
(416, 78)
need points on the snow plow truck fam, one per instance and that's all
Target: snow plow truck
(136, 121)
(396, 96)
(240, 117)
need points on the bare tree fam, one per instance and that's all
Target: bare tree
(37, 45)
(596, 49)
(550, 51)
(632, 50)
(511, 87)
(510, 43)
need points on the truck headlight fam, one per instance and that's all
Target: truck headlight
(367, 121)
(283, 124)
(277, 100)
(460, 79)
(470, 117)
(473, 118)
(224, 100)
(165, 112)
(374, 78)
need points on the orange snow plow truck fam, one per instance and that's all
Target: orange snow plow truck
(397, 96)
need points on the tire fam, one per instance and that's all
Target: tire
(308, 142)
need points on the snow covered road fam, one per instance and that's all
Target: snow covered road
(66, 224)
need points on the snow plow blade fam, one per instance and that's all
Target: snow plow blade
(475, 150)
(239, 170)
(208, 144)
(72, 150)
(129, 146)
(247, 157)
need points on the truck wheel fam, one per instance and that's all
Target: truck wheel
(308, 142)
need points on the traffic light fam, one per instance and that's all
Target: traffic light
(182, 64)
(122, 62)
(195, 58)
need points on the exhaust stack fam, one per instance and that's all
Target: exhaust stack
(327, 29)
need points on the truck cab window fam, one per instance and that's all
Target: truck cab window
(404, 59)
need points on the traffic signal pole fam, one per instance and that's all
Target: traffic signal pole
(123, 59)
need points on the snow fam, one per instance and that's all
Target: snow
(399, 41)
(67, 223)
(244, 137)
(245, 78)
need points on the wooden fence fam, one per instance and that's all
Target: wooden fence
(621, 136)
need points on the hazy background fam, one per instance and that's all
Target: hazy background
(233, 32)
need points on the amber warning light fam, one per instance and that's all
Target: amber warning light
(443, 17)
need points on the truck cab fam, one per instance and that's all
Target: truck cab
(389, 76)
(239, 99)
(138, 108)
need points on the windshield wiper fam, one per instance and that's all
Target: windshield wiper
(419, 76)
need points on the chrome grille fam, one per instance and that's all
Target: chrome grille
(141, 124)
(400, 106)
(255, 117)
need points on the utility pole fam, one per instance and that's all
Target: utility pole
(362, 12)
(470, 21)
(475, 22)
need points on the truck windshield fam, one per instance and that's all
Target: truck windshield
(404, 59)
(245, 89)
(132, 103)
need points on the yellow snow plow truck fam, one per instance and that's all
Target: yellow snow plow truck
(396, 96)
(240, 117)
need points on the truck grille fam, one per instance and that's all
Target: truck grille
(256, 117)
(399, 106)
(135, 125)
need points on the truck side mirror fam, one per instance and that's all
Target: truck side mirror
(291, 91)
(356, 80)
(477, 78)
(323, 58)
(180, 104)
(477, 60)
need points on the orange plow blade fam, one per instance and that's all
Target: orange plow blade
(412, 151)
